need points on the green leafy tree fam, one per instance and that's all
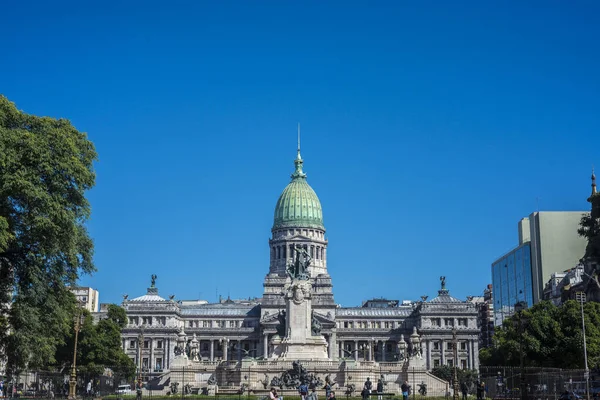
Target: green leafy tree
(550, 336)
(46, 166)
(99, 345)
(446, 373)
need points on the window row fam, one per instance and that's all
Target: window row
(159, 321)
(221, 324)
(146, 345)
(449, 321)
(281, 252)
(369, 324)
(462, 345)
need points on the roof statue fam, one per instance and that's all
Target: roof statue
(443, 281)
(153, 280)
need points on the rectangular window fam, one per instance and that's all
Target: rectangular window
(436, 363)
(378, 324)
(436, 345)
(145, 363)
(387, 325)
(346, 324)
(463, 345)
(146, 344)
(463, 364)
(450, 363)
(159, 344)
(449, 322)
(159, 364)
(132, 344)
(449, 346)
(191, 324)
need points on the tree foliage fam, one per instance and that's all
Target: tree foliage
(550, 336)
(99, 344)
(46, 166)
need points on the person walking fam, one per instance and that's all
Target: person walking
(303, 390)
(404, 389)
(368, 385)
(312, 395)
(379, 390)
(464, 389)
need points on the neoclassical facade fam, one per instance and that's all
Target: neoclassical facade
(380, 330)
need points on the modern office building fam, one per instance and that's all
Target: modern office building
(548, 243)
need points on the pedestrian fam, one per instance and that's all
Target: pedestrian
(364, 393)
(404, 389)
(273, 394)
(303, 390)
(379, 390)
(479, 391)
(464, 389)
(327, 390)
(331, 396)
(368, 385)
(88, 389)
(312, 395)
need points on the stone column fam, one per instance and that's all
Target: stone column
(371, 344)
(356, 350)
(225, 349)
(334, 350)
(428, 352)
(212, 350)
(239, 350)
(442, 358)
(265, 345)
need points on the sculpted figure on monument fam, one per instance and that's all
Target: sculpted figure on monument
(299, 268)
(315, 326)
(281, 326)
(153, 280)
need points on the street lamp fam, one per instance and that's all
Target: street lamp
(455, 355)
(519, 308)
(73, 377)
(364, 348)
(581, 297)
(138, 390)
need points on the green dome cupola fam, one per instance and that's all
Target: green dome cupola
(298, 204)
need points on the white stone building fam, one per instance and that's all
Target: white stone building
(381, 330)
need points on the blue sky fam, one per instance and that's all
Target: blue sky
(429, 129)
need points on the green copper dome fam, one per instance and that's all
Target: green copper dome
(298, 205)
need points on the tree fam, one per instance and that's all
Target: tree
(446, 372)
(551, 337)
(46, 167)
(99, 345)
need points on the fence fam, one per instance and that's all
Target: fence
(540, 383)
(236, 382)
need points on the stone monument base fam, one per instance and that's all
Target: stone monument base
(311, 348)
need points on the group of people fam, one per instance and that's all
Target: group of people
(480, 390)
(305, 394)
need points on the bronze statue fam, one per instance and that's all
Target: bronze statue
(299, 269)
(443, 280)
(153, 280)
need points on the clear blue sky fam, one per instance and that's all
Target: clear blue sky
(429, 130)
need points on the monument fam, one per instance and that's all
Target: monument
(302, 339)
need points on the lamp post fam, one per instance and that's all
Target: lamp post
(138, 390)
(364, 348)
(581, 297)
(73, 377)
(455, 355)
(519, 308)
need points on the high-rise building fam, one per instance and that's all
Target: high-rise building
(548, 243)
(87, 296)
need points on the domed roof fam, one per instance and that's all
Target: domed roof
(298, 204)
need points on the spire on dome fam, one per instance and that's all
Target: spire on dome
(298, 161)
